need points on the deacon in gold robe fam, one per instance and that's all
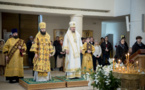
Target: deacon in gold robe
(14, 49)
(88, 50)
(72, 45)
(43, 49)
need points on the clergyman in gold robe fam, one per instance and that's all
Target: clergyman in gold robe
(87, 63)
(43, 49)
(14, 50)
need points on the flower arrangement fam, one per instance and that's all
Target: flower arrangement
(103, 78)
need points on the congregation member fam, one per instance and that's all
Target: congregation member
(30, 54)
(83, 40)
(121, 51)
(60, 56)
(81, 55)
(138, 44)
(101, 41)
(97, 55)
(72, 46)
(52, 59)
(2, 56)
(106, 48)
(14, 49)
(92, 40)
(10, 36)
(125, 43)
(88, 50)
(43, 49)
(56, 44)
(2, 59)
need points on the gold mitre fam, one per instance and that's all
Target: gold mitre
(72, 24)
(42, 25)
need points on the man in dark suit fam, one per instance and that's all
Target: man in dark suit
(106, 48)
(56, 45)
(30, 54)
(92, 40)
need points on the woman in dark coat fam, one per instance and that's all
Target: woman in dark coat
(121, 50)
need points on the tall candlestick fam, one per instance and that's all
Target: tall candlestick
(123, 68)
(128, 57)
(113, 63)
(116, 67)
(137, 65)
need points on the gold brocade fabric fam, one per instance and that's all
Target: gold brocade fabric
(42, 73)
(87, 58)
(15, 66)
(42, 46)
(74, 36)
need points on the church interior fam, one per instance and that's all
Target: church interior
(98, 24)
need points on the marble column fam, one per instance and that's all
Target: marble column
(79, 22)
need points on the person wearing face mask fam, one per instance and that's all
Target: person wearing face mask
(121, 50)
(14, 50)
(43, 49)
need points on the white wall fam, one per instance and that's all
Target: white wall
(121, 7)
(115, 28)
(102, 5)
(95, 25)
(83, 4)
(57, 22)
(137, 9)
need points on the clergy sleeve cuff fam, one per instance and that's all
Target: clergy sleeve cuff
(81, 48)
(6, 52)
(65, 48)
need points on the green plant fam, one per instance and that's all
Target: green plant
(103, 79)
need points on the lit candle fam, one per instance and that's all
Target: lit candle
(123, 68)
(116, 67)
(119, 61)
(113, 63)
(137, 64)
(128, 57)
(119, 69)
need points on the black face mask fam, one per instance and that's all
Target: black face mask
(15, 37)
(43, 33)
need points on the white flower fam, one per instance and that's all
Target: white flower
(107, 83)
(111, 60)
(96, 81)
(90, 82)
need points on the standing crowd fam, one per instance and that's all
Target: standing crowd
(69, 54)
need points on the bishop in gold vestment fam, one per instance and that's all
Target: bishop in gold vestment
(14, 57)
(88, 50)
(42, 48)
